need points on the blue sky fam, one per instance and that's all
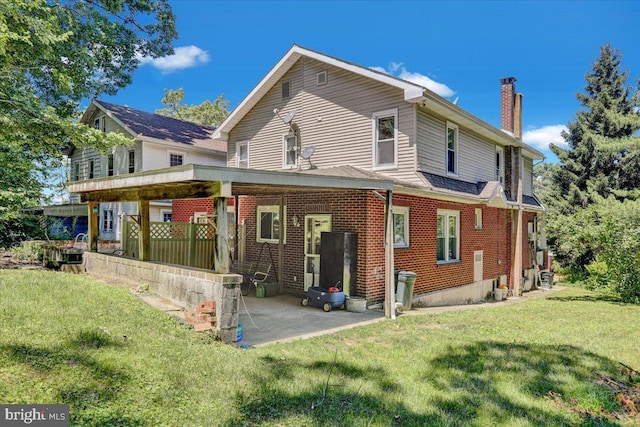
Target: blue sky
(461, 49)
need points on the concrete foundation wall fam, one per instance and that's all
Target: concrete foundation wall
(466, 294)
(184, 286)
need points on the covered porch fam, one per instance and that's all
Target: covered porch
(220, 184)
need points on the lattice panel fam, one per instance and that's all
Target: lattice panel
(168, 230)
(205, 231)
(134, 230)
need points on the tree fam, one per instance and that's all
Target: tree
(53, 54)
(603, 155)
(208, 113)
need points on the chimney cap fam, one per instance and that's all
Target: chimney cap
(508, 80)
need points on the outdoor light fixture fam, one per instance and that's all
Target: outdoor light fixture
(95, 210)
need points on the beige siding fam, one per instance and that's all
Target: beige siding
(476, 157)
(335, 117)
(527, 177)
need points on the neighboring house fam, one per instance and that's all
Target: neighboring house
(159, 142)
(464, 212)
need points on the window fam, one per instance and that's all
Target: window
(321, 78)
(401, 227)
(500, 165)
(290, 151)
(478, 218)
(92, 169)
(242, 154)
(166, 216)
(110, 165)
(452, 149)
(285, 89)
(448, 236)
(385, 139)
(100, 124)
(107, 220)
(175, 159)
(76, 171)
(269, 224)
(132, 161)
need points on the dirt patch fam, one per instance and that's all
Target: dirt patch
(8, 261)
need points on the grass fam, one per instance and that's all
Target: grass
(117, 362)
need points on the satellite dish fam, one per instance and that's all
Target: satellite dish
(287, 119)
(308, 152)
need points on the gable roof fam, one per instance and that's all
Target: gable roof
(413, 93)
(144, 125)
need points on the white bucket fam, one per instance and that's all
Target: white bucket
(499, 294)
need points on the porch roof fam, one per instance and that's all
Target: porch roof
(198, 181)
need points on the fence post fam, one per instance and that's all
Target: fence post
(192, 229)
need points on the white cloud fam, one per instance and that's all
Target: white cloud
(542, 137)
(398, 69)
(183, 57)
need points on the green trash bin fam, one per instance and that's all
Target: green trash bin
(404, 288)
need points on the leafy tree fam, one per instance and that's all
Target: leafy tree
(53, 54)
(603, 155)
(208, 113)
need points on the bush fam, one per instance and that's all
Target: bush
(16, 230)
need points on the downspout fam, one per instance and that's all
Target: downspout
(389, 276)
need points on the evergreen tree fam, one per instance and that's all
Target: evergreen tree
(603, 156)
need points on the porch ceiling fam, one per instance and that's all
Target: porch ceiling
(198, 181)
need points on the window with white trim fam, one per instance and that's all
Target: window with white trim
(321, 78)
(176, 159)
(500, 164)
(289, 151)
(100, 123)
(452, 149)
(132, 161)
(166, 216)
(385, 139)
(448, 236)
(400, 227)
(76, 171)
(107, 220)
(478, 216)
(269, 224)
(110, 165)
(242, 154)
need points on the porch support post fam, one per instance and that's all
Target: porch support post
(221, 247)
(144, 238)
(389, 275)
(283, 226)
(93, 226)
(516, 273)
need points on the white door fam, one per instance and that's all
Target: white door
(478, 257)
(313, 226)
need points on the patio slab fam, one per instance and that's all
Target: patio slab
(281, 318)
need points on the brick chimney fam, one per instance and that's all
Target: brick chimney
(507, 113)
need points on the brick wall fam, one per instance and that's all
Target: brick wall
(363, 212)
(183, 209)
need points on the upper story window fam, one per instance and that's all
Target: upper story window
(176, 159)
(166, 216)
(385, 139)
(452, 149)
(242, 154)
(92, 169)
(100, 123)
(321, 78)
(269, 224)
(110, 165)
(132, 161)
(500, 165)
(289, 151)
(401, 226)
(286, 86)
(76, 171)
(448, 236)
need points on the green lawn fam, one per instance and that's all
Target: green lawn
(117, 362)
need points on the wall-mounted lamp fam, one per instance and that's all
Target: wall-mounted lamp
(295, 221)
(95, 210)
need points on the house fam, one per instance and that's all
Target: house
(465, 217)
(158, 142)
